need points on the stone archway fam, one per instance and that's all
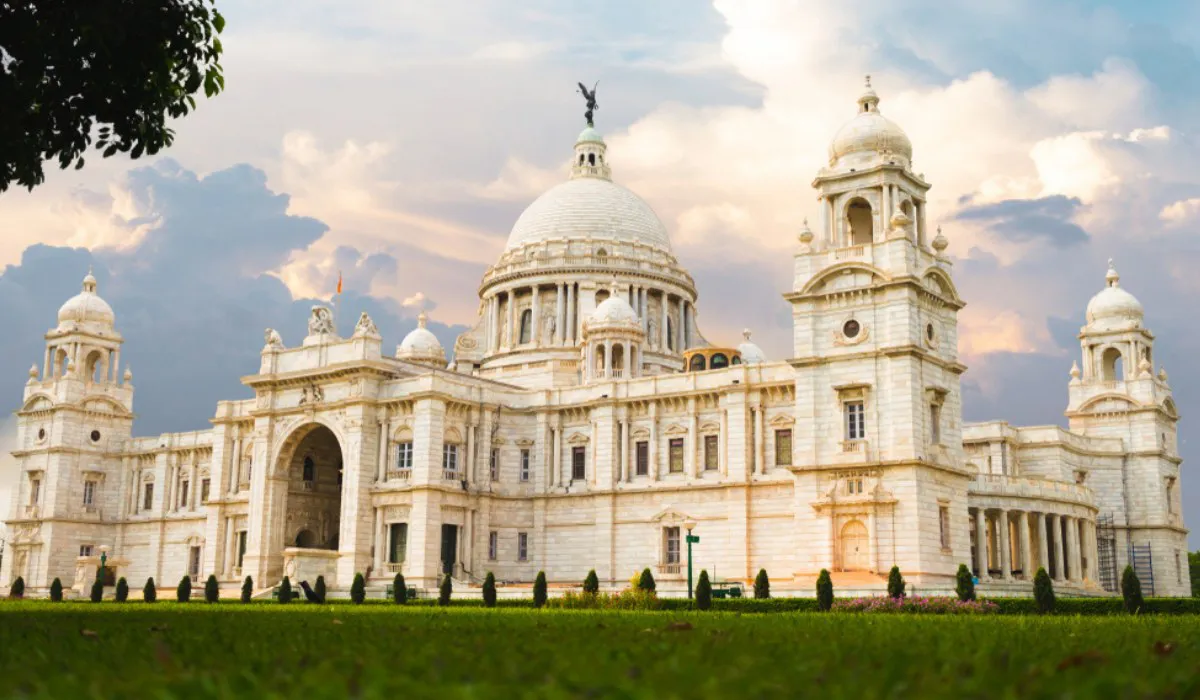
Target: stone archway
(313, 501)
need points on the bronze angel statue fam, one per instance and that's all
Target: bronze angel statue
(590, 96)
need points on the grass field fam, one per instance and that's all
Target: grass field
(80, 650)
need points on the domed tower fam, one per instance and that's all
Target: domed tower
(1117, 394)
(613, 339)
(422, 347)
(563, 253)
(73, 425)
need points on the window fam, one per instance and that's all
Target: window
(404, 455)
(493, 545)
(148, 497)
(526, 326)
(522, 546)
(854, 486)
(944, 525)
(851, 328)
(241, 547)
(671, 546)
(712, 453)
(310, 469)
(783, 447)
(194, 562)
(183, 494)
(696, 364)
(35, 491)
(856, 427)
(675, 455)
(89, 493)
(935, 423)
(85, 550)
(1171, 495)
(578, 463)
(524, 465)
(719, 361)
(494, 465)
(450, 459)
(204, 485)
(397, 542)
(643, 458)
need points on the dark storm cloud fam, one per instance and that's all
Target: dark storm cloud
(1047, 219)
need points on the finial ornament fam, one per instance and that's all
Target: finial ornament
(421, 319)
(1112, 277)
(590, 96)
(746, 334)
(868, 81)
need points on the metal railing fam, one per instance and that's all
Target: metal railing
(394, 567)
(854, 446)
(669, 569)
(399, 474)
(452, 474)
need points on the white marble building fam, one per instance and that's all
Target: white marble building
(566, 435)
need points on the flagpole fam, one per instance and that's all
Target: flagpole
(337, 298)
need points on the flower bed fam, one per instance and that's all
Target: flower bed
(916, 604)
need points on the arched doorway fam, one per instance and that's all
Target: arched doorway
(855, 547)
(314, 491)
(861, 220)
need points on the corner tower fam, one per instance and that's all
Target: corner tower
(878, 405)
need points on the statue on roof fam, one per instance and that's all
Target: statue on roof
(591, 101)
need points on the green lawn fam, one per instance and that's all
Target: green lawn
(82, 650)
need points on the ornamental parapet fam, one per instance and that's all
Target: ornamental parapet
(1031, 488)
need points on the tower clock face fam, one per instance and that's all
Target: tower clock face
(851, 329)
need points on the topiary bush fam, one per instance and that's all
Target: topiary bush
(591, 584)
(964, 583)
(319, 589)
(1043, 591)
(17, 589)
(703, 591)
(399, 590)
(97, 593)
(122, 592)
(56, 590)
(149, 591)
(247, 589)
(285, 591)
(895, 583)
(646, 582)
(824, 591)
(183, 592)
(1131, 591)
(489, 590)
(539, 590)
(212, 589)
(445, 590)
(762, 585)
(358, 589)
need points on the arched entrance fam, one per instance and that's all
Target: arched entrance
(314, 491)
(855, 546)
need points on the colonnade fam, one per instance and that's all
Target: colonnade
(54, 362)
(1011, 544)
(833, 219)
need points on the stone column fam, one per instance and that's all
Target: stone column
(572, 335)
(981, 545)
(559, 307)
(872, 542)
(642, 311)
(556, 458)
(535, 335)
(1057, 545)
(760, 466)
(469, 467)
(1026, 545)
(514, 333)
(723, 442)
(380, 545)
(116, 366)
(653, 446)
(1005, 545)
(1043, 547)
(384, 439)
(227, 559)
(1073, 545)
(193, 483)
(626, 472)
(679, 328)
(690, 457)
(663, 325)
(608, 363)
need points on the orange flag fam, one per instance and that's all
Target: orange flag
(339, 289)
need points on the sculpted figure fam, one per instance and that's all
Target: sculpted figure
(273, 339)
(365, 326)
(321, 321)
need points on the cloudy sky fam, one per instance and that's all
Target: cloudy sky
(398, 142)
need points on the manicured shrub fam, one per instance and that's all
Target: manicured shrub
(399, 590)
(1131, 591)
(445, 590)
(489, 590)
(703, 591)
(319, 589)
(149, 591)
(539, 590)
(628, 599)
(1043, 591)
(97, 593)
(122, 593)
(183, 592)
(762, 585)
(824, 590)
(646, 582)
(285, 590)
(56, 590)
(917, 605)
(247, 589)
(591, 584)
(212, 589)
(17, 589)
(964, 583)
(895, 583)
(358, 589)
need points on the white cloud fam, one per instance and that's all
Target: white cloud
(1182, 212)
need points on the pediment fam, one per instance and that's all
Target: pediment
(38, 402)
(578, 438)
(676, 430)
(782, 420)
(671, 516)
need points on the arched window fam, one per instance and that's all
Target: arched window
(719, 360)
(618, 359)
(526, 324)
(94, 366)
(600, 361)
(61, 361)
(737, 360)
(306, 539)
(858, 215)
(601, 296)
(581, 159)
(591, 159)
(1113, 368)
(310, 469)
(696, 364)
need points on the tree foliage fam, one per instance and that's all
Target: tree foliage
(122, 593)
(895, 583)
(212, 589)
(97, 592)
(445, 590)
(824, 590)
(319, 589)
(762, 585)
(591, 584)
(56, 590)
(247, 589)
(17, 589)
(646, 582)
(183, 592)
(285, 590)
(150, 591)
(703, 591)
(489, 590)
(964, 583)
(113, 70)
(1131, 591)
(399, 590)
(539, 590)
(358, 589)
(1043, 591)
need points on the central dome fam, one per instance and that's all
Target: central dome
(589, 207)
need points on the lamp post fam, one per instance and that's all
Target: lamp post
(103, 561)
(688, 525)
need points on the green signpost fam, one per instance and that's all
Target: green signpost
(691, 539)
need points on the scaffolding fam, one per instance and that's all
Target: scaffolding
(1141, 558)
(1106, 546)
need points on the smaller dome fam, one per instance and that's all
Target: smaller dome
(614, 310)
(751, 353)
(86, 306)
(1114, 308)
(589, 135)
(421, 345)
(870, 133)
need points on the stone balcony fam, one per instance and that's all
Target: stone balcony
(1033, 488)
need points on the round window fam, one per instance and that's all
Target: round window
(929, 331)
(851, 329)
(95, 436)
(41, 433)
